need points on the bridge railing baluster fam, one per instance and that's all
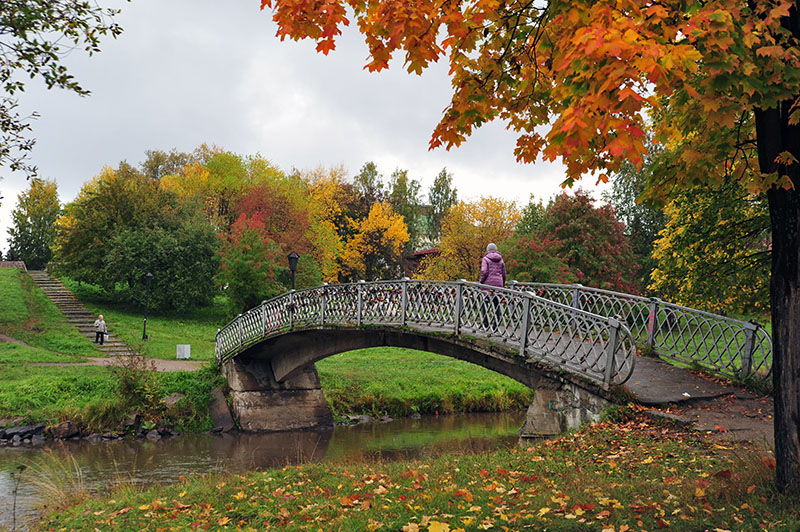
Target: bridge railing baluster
(723, 345)
(526, 321)
(323, 303)
(541, 328)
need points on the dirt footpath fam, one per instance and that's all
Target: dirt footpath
(160, 365)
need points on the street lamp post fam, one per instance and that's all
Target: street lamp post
(149, 278)
(293, 258)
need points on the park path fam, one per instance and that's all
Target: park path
(77, 314)
(704, 403)
(159, 364)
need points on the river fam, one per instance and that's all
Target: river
(93, 466)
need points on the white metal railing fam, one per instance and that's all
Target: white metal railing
(590, 345)
(730, 347)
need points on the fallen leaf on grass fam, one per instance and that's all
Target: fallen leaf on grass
(437, 526)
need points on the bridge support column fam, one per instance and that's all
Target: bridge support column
(557, 410)
(262, 404)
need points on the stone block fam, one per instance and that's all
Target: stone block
(281, 410)
(555, 411)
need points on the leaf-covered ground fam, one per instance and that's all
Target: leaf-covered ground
(630, 476)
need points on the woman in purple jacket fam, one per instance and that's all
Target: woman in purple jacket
(493, 269)
(493, 273)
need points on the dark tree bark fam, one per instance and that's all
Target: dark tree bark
(775, 135)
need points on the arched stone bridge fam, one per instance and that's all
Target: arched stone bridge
(557, 339)
(268, 353)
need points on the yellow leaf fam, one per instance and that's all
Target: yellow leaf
(543, 511)
(147, 507)
(223, 521)
(437, 526)
(239, 496)
(411, 527)
(699, 493)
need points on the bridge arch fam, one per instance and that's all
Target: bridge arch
(268, 353)
(274, 384)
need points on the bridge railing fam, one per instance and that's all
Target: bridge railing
(593, 346)
(730, 347)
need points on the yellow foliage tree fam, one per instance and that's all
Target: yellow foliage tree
(327, 188)
(466, 230)
(376, 249)
(713, 253)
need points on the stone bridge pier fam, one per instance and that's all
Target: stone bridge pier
(262, 404)
(274, 385)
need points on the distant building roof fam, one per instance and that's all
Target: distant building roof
(13, 264)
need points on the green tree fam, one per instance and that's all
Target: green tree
(404, 199)
(183, 261)
(643, 219)
(33, 230)
(532, 217)
(160, 163)
(368, 183)
(713, 253)
(36, 35)
(123, 224)
(441, 196)
(251, 264)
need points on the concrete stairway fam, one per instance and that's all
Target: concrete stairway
(76, 313)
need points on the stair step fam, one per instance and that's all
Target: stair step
(76, 314)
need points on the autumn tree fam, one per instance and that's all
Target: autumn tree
(532, 257)
(441, 197)
(283, 206)
(466, 230)
(31, 236)
(404, 198)
(332, 206)
(716, 81)
(376, 249)
(122, 225)
(36, 35)
(591, 241)
(535, 259)
(713, 253)
(251, 263)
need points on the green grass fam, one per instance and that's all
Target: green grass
(89, 396)
(631, 476)
(165, 330)
(17, 353)
(28, 315)
(400, 382)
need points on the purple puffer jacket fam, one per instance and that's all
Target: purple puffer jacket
(493, 269)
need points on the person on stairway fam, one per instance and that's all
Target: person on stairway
(100, 329)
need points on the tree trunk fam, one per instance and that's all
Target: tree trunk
(775, 135)
(784, 206)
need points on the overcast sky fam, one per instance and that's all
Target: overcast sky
(187, 72)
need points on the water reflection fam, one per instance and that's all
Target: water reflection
(147, 462)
